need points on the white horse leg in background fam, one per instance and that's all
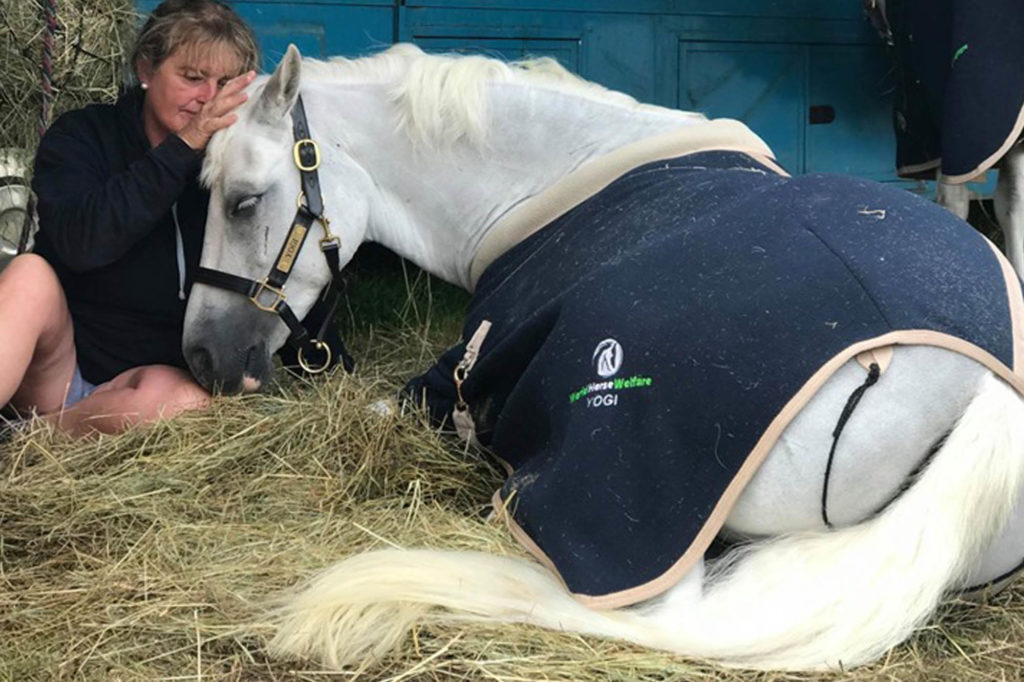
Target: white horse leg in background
(954, 197)
(1008, 202)
(1009, 205)
(813, 598)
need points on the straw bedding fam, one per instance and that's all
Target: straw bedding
(156, 554)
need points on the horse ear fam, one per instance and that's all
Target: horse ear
(279, 94)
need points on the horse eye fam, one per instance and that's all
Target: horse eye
(245, 206)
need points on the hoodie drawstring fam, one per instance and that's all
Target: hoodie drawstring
(181, 252)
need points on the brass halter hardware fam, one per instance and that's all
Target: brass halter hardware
(297, 155)
(321, 347)
(264, 287)
(329, 238)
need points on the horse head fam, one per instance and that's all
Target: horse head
(255, 234)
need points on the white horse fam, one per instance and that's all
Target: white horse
(427, 155)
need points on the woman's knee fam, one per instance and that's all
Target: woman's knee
(188, 395)
(170, 390)
(33, 280)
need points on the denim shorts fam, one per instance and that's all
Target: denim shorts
(79, 388)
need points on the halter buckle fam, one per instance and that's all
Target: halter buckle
(297, 155)
(262, 287)
(323, 348)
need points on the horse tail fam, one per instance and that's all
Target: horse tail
(809, 600)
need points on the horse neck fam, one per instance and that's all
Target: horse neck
(434, 207)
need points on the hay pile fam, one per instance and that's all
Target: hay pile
(153, 555)
(88, 53)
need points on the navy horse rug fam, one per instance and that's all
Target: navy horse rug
(960, 90)
(634, 361)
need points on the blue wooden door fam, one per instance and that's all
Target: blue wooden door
(809, 76)
(319, 28)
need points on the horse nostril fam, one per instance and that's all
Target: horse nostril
(200, 361)
(252, 360)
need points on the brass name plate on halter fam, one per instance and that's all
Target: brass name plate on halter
(291, 248)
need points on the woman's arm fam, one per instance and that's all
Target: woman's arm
(92, 216)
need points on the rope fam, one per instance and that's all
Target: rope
(49, 8)
(873, 373)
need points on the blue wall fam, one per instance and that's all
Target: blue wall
(809, 76)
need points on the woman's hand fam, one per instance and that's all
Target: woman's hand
(216, 113)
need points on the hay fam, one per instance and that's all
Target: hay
(88, 54)
(154, 555)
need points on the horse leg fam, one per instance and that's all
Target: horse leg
(1009, 205)
(955, 198)
(807, 600)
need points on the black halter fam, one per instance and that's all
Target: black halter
(268, 293)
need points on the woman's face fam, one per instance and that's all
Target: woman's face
(179, 87)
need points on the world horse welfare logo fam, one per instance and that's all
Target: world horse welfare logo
(607, 361)
(608, 358)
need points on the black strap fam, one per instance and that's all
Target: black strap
(341, 352)
(307, 154)
(299, 337)
(224, 280)
(291, 248)
(268, 295)
(851, 403)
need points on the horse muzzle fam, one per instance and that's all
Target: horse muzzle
(225, 359)
(235, 370)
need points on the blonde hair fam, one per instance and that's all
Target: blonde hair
(177, 23)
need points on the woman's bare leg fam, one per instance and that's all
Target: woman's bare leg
(137, 395)
(37, 350)
(37, 362)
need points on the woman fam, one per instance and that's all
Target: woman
(92, 322)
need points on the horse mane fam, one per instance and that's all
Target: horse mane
(441, 97)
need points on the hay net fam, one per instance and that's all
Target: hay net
(56, 57)
(90, 39)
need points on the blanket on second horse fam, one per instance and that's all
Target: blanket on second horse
(634, 361)
(960, 84)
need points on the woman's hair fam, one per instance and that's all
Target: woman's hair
(178, 23)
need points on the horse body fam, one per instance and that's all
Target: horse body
(431, 174)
